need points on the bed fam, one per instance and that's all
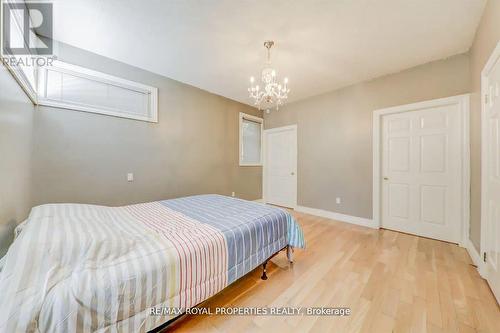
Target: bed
(87, 268)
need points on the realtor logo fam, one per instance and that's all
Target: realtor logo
(27, 28)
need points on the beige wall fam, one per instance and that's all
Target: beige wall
(193, 149)
(335, 131)
(487, 37)
(16, 121)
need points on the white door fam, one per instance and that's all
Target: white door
(421, 172)
(491, 172)
(280, 166)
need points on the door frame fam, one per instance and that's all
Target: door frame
(264, 161)
(463, 103)
(484, 150)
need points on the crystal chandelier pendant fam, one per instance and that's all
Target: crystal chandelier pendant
(272, 93)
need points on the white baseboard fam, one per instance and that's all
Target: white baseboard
(338, 216)
(476, 257)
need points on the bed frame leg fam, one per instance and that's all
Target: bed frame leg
(289, 253)
(264, 276)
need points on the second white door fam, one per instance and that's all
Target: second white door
(421, 172)
(280, 166)
(490, 195)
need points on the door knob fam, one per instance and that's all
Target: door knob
(293, 173)
(385, 178)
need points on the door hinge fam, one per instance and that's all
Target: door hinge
(485, 98)
(484, 256)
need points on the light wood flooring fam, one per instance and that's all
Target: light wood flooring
(393, 282)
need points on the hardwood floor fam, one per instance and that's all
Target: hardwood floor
(392, 282)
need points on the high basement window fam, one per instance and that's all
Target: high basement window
(250, 140)
(73, 87)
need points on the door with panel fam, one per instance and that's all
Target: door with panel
(421, 172)
(280, 166)
(491, 172)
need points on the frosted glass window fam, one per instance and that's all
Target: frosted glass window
(77, 88)
(250, 140)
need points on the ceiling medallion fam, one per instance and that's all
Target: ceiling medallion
(271, 93)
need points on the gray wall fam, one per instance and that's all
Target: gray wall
(487, 37)
(335, 131)
(193, 149)
(16, 123)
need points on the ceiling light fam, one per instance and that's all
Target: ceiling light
(273, 94)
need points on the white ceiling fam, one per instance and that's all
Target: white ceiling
(320, 45)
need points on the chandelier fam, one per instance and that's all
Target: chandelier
(272, 93)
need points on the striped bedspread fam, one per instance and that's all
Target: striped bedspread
(86, 268)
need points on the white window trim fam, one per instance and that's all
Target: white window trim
(16, 72)
(23, 82)
(257, 120)
(89, 74)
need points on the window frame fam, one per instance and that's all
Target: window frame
(256, 119)
(18, 73)
(88, 74)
